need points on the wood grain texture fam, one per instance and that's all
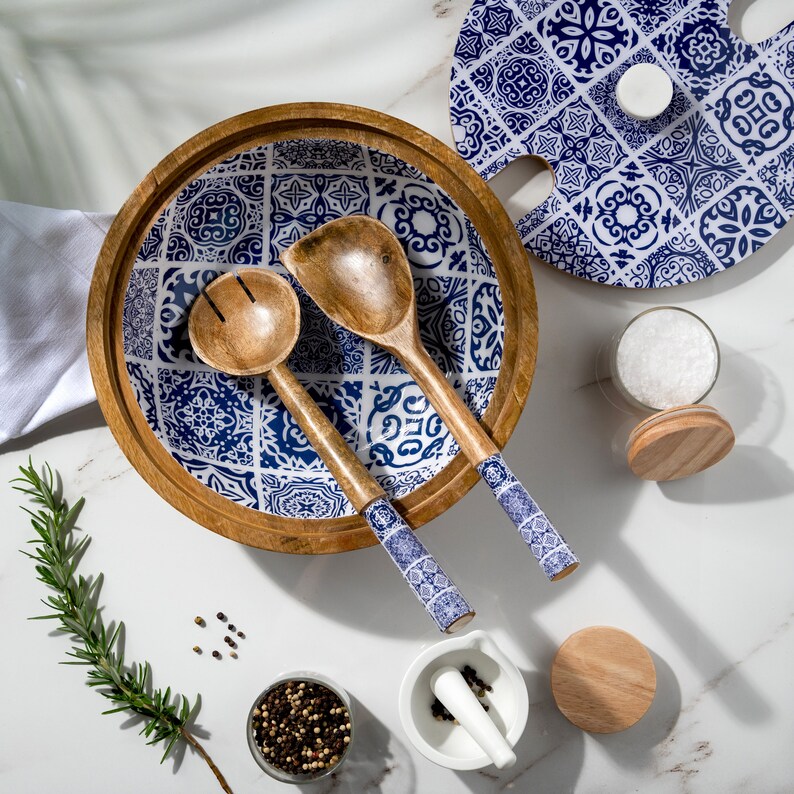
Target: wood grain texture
(161, 186)
(603, 679)
(679, 442)
(356, 271)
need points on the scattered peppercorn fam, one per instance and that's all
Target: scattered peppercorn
(198, 620)
(233, 654)
(196, 649)
(241, 635)
(304, 728)
(221, 616)
(231, 627)
(477, 685)
(216, 654)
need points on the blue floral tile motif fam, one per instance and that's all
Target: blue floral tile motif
(218, 220)
(783, 59)
(778, 176)
(730, 121)
(152, 247)
(564, 243)
(137, 319)
(389, 165)
(679, 261)
(701, 49)
(425, 220)
(756, 114)
(589, 36)
(651, 16)
(478, 260)
(692, 163)
(179, 289)
(626, 215)
(489, 25)
(487, 327)
(540, 214)
(317, 155)
(478, 393)
(577, 145)
(242, 162)
(296, 496)
(238, 485)
(299, 203)
(478, 134)
(635, 133)
(142, 384)
(739, 223)
(234, 435)
(444, 305)
(518, 77)
(402, 429)
(207, 414)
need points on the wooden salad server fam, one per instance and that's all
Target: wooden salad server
(356, 271)
(246, 323)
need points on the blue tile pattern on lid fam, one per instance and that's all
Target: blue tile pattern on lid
(635, 203)
(233, 434)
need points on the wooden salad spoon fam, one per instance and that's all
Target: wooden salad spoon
(246, 323)
(356, 271)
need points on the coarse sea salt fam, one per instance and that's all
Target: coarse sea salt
(666, 357)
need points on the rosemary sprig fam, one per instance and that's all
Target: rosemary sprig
(74, 605)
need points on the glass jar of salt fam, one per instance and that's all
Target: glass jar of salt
(664, 363)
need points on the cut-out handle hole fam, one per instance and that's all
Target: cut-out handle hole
(523, 185)
(754, 21)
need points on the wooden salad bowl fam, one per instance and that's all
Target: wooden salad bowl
(162, 185)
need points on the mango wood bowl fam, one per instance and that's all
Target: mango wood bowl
(223, 450)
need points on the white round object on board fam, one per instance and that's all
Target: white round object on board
(644, 91)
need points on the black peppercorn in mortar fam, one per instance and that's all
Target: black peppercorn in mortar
(301, 727)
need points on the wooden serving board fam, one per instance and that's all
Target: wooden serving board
(238, 141)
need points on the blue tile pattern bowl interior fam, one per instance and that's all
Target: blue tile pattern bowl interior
(233, 434)
(635, 203)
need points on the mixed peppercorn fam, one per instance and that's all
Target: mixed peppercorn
(477, 685)
(301, 727)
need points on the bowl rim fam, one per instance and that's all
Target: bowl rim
(192, 159)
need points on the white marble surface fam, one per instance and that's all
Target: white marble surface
(93, 95)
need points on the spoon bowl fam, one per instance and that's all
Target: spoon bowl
(357, 273)
(245, 327)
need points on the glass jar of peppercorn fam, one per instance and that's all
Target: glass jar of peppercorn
(300, 728)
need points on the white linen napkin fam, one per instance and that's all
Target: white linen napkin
(46, 260)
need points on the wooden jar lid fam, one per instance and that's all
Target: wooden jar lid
(603, 679)
(678, 442)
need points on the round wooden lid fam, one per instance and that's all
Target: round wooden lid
(678, 442)
(603, 679)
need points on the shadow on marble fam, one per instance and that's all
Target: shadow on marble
(86, 418)
(748, 474)
(549, 754)
(379, 762)
(637, 747)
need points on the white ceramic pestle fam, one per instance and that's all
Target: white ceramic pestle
(451, 689)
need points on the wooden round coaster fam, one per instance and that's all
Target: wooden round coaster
(603, 679)
(679, 442)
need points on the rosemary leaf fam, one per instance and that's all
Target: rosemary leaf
(56, 556)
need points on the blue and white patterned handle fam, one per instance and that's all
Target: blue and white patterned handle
(432, 586)
(548, 546)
